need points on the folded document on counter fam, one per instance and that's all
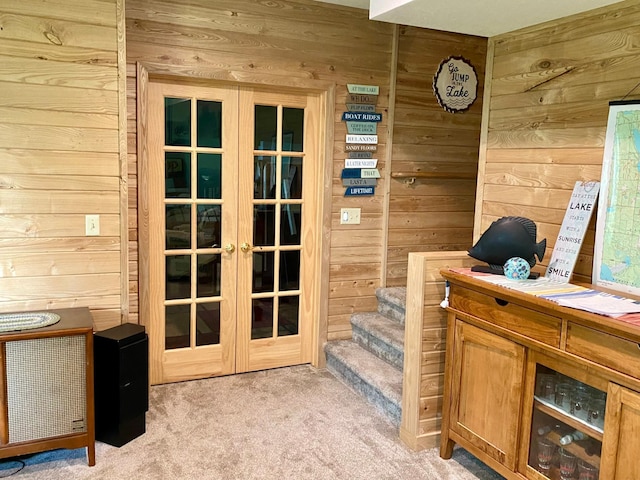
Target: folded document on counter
(568, 295)
(596, 302)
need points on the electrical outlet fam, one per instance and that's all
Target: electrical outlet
(92, 225)
(350, 216)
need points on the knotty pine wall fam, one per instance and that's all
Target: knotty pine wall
(61, 151)
(432, 214)
(301, 40)
(284, 41)
(547, 115)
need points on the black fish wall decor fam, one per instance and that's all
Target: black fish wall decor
(508, 237)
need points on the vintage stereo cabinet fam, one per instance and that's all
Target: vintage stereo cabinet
(47, 386)
(532, 387)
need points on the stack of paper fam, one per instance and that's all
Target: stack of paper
(569, 295)
(596, 302)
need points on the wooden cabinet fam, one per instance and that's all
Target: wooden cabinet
(46, 386)
(487, 379)
(523, 375)
(621, 445)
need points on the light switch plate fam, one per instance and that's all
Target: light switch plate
(349, 216)
(92, 225)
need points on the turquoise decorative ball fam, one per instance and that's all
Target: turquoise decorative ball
(517, 268)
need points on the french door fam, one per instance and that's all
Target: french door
(231, 188)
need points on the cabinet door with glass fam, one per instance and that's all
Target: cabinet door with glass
(567, 422)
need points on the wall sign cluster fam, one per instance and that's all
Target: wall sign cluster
(360, 174)
(455, 84)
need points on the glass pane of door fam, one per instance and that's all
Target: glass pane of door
(277, 220)
(193, 221)
(188, 237)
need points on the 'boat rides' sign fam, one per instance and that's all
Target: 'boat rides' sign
(455, 84)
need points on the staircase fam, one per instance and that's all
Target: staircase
(371, 363)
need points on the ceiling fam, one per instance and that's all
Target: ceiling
(484, 18)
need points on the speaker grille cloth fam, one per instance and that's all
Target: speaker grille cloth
(46, 387)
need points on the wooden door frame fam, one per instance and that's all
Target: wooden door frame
(326, 93)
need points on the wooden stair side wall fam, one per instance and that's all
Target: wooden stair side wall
(424, 346)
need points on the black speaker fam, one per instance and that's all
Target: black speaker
(121, 383)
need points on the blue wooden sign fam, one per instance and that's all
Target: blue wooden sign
(359, 191)
(351, 173)
(362, 117)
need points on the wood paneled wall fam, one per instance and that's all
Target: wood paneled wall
(432, 214)
(60, 157)
(285, 42)
(424, 346)
(547, 115)
(292, 40)
(61, 145)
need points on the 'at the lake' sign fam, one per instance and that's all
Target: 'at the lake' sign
(455, 84)
(363, 89)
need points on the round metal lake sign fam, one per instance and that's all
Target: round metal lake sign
(455, 84)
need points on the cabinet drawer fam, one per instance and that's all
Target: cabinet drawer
(524, 321)
(608, 350)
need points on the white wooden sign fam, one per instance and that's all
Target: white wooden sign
(370, 173)
(366, 139)
(363, 89)
(360, 162)
(572, 231)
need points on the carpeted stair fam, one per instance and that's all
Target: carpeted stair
(371, 362)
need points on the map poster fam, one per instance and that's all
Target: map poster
(572, 231)
(616, 263)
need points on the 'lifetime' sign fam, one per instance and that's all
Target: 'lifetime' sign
(359, 191)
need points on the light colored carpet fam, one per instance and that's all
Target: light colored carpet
(290, 423)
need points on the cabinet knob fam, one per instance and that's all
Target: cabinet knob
(501, 302)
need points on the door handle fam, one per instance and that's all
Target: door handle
(245, 247)
(230, 248)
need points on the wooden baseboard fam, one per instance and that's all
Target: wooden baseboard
(419, 442)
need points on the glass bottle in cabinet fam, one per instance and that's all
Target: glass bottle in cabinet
(567, 427)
